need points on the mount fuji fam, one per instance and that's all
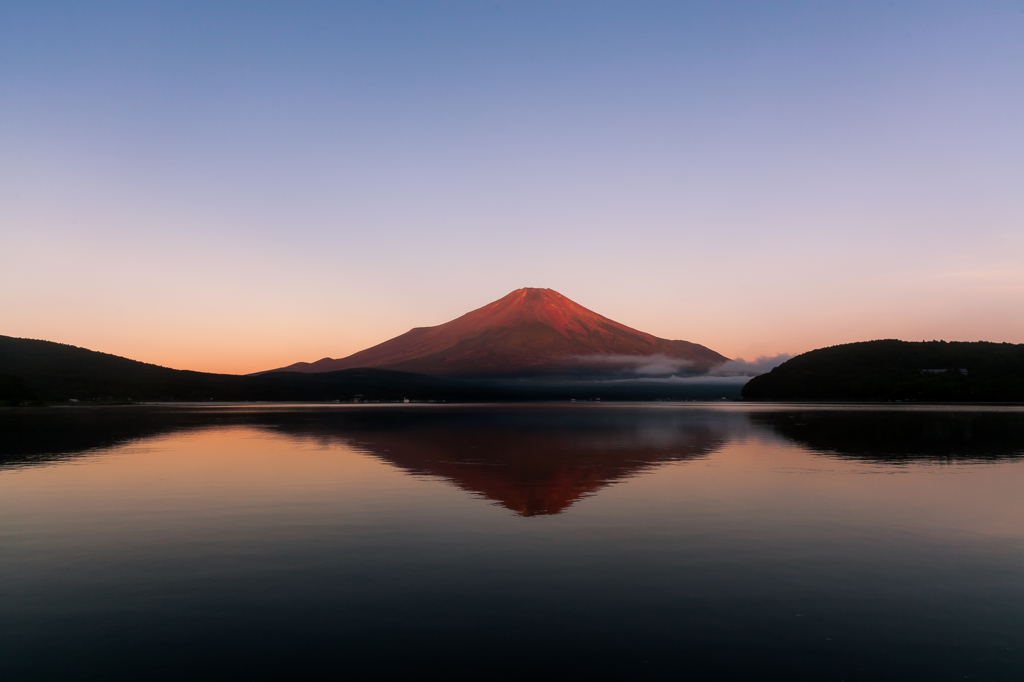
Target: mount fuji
(529, 332)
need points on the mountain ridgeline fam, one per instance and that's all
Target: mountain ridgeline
(47, 372)
(890, 370)
(533, 344)
(32, 370)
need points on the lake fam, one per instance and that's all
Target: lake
(688, 540)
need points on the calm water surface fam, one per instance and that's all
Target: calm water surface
(691, 541)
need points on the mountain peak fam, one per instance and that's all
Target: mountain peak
(546, 307)
(528, 331)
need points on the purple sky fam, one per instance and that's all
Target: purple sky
(238, 186)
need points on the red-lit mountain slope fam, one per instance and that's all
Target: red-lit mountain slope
(528, 332)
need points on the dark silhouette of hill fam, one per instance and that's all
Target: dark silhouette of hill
(889, 370)
(528, 332)
(32, 370)
(47, 371)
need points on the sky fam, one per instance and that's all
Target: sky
(233, 187)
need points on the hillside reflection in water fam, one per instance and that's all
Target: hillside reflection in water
(853, 543)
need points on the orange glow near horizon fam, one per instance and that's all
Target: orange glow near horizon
(207, 339)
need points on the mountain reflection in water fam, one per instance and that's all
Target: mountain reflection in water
(533, 461)
(536, 460)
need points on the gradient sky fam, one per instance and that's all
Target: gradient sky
(238, 186)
